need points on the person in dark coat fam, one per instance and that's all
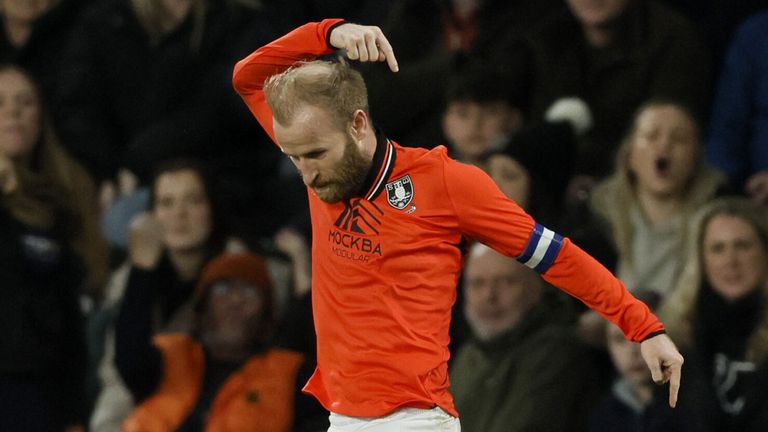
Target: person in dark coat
(614, 57)
(34, 37)
(42, 267)
(719, 317)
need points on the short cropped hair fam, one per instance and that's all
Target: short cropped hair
(334, 86)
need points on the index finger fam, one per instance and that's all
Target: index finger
(389, 53)
(674, 384)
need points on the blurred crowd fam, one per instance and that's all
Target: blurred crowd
(155, 259)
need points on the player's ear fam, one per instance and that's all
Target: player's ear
(359, 126)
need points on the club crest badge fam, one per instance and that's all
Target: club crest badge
(400, 192)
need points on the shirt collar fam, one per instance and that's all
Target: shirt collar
(381, 168)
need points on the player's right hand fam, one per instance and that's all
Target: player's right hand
(364, 43)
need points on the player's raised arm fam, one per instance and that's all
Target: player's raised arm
(305, 43)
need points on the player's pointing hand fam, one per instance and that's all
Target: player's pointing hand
(665, 363)
(364, 43)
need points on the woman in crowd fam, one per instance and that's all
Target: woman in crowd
(52, 252)
(718, 317)
(659, 182)
(168, 247)
(33, 146)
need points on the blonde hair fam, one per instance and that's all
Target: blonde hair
(614, 197)
(334, 86)
(678, 311)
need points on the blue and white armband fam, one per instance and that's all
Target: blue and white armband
(542, 249)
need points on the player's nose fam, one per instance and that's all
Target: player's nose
(308, 174)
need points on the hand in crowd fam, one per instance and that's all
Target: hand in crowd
(757, 187)
(291, 243)
(110, 190)
(8, 180)
(364, 43)
(665, 363)
(145, 241)
(75, 428)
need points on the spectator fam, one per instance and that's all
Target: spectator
(37, 154)
(718, 20)
(222, 376)
(533, 168)
(660, 181)
(484, 114)
(34, 36)
(497, 379)
(738, 135)
(613, 55)
(168, 248)
(718, 316)
(167, 92)
(632, 405)
(44, 223)
(449, 33)
(481, 114)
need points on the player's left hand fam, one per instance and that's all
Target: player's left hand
(665, 363)
(364, 43)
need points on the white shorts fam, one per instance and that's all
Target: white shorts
(402, 420)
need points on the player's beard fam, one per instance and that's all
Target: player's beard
(348, 176)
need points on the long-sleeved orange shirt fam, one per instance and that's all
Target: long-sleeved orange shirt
(386, 263)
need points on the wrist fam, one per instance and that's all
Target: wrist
(654, 334)
(330, 31)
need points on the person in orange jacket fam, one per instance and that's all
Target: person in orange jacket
(225, 376)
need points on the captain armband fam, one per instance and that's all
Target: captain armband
(542, 249)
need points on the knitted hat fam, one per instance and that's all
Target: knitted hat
(482, 84)
(246, 267)
(546, 153)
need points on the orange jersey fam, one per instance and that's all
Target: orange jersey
(386, 263)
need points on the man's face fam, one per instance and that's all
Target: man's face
(626, 356)
(328, 158)
(473, 128)
(498, 291)
(233, 314)
(597, 13)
